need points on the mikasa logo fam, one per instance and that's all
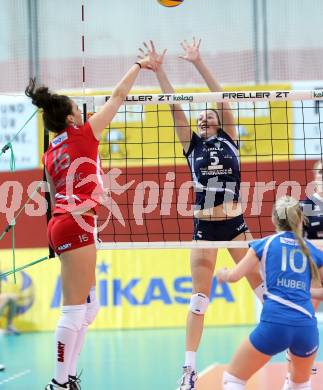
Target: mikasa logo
(59, 139)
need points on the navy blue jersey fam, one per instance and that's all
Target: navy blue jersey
(313, 209)
(287, 279)
(215, 167)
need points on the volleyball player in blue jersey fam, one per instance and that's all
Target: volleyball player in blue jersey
(212, 153)
(289, 267)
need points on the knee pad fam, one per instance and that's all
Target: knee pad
(199, 303)
(92, 307)
(231, 382)
(300, 386)
(72, 317)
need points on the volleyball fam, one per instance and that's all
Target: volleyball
(24, 288)
(170, 3)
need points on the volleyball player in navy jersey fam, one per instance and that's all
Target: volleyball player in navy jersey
(213, 158)
(289, 267)
(313, 206)
(72, 241)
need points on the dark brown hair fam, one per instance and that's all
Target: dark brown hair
(55, 107)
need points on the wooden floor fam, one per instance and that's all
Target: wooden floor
(136, 360)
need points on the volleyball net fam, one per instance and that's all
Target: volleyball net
(150, 193)
(150, 187)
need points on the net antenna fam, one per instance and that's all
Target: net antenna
(143, 164)
(83, 61)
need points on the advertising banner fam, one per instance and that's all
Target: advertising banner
(144, 135)
(135, 289)
(307, 119)
(14, 112)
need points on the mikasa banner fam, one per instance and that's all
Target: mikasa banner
(135, 289)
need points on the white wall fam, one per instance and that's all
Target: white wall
(114, 30)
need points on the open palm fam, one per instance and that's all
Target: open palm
(192, 52)
(156, 58)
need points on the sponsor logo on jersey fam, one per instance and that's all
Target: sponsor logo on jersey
(217, 146)
(289, 241)
(59, 139)
(242, 226)
(64, 246)
(199, 234)
(211, 167)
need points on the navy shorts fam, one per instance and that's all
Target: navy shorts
(270, 339)
(225, 230)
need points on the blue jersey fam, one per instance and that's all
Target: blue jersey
(287, 279)
(215, 167)
(313, 209)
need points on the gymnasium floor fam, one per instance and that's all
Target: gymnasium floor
(136, 360)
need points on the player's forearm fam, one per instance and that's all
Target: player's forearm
(164, 83)
(317, 293)
(234, 276)
(214, 86)
(167, 87)
(123, 87)
(245, 266)
(204, 71)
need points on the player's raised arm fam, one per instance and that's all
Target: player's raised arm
(102, 118)
(246, 265)
(182, 126)
(192, 54)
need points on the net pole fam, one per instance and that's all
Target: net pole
(83, 60)
(47, 193)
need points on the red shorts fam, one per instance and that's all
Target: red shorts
(65, 233)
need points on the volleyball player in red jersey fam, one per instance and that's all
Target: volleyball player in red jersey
(71, 159)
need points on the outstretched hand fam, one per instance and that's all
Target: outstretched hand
(192, 52)
(149, 51)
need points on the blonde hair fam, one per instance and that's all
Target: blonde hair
(287, 216)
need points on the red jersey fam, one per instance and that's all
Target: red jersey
(72, 160)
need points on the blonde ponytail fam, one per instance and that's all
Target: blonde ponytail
(287, 216)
